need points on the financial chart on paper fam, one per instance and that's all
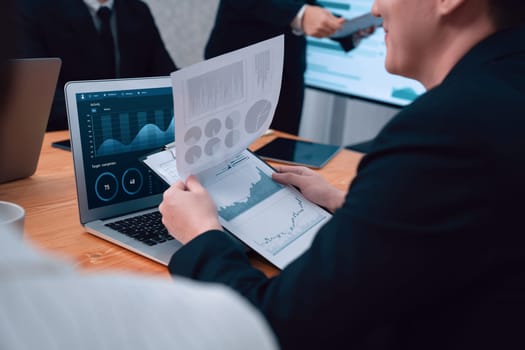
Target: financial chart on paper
(263, 212)
(293, 217)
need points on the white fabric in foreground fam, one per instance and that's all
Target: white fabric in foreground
(47, 305)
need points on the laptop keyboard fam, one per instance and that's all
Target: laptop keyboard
(147, 228)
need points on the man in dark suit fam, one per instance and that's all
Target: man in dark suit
(426, 249)
(240, 23)
(73, 31)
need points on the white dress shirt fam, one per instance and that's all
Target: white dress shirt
(46, 304)
(297, 22)
(94, 6)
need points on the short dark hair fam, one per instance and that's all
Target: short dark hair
(507, 13)
(7, 44)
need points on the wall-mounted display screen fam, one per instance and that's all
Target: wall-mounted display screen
(360, 72)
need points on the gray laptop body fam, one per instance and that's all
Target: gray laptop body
(113, 124)
(24, 120)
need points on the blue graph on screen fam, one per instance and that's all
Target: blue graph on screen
(259, 191)
(129, 132)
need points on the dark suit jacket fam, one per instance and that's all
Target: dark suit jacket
(65, 29)
(428, 250)
(240, 23)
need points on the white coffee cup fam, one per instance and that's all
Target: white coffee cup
(11, 217)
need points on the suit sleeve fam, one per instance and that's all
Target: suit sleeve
(376, 259)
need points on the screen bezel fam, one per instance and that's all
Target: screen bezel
(73, 88)
(357, 97)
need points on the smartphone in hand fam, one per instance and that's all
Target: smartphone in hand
(353, 25)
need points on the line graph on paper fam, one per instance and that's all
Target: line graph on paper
(256, 193)
(266, 215)
(296, 217)
(240, 187)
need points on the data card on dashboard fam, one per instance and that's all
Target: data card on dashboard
(274, 220)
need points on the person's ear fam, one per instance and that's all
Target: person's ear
(446, 7)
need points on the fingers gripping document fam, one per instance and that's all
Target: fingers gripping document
(221, 106)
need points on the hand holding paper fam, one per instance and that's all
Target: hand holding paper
(198, 214)
(221, 106)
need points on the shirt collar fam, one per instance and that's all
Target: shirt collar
(95, 5)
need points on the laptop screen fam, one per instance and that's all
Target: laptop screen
(116, 129)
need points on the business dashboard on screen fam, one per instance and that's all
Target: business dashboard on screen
(361, 72)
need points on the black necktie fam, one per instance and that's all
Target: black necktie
(106, 37)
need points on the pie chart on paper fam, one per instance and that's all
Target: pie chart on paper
(232, 138)
(232, 120)
(212, 128)
(212, 146)
(192, 136)
(257, 115)
(193, 154)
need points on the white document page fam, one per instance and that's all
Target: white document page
(221, 106)
(274, 220)
(224, 104)
(164, 164)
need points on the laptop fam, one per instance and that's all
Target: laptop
(24, 120)
(113, 124)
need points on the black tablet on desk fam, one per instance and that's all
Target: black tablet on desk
(311, 154)
(63, 144)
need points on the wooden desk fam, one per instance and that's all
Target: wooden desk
(52, 221)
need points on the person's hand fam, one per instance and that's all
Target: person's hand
(188, 210)
(311, 184)
(319, 22)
